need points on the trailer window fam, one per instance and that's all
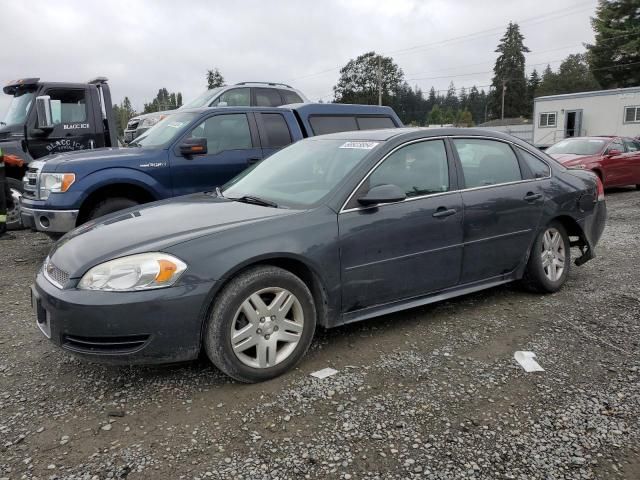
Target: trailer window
(547, 119)
(632, 114)
(68, 106)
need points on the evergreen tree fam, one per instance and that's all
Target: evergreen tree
(432, 100)
(214, 79)
(463, 99)
(572, 76)
(435, 116)
(449, 116)
(464, 119)
(163, 101)
(509, 71)
(358, 82)
(532, 86)
(451, 100)
(122, 114)
(615, 56)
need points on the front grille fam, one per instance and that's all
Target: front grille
(54, 274)
(132, 125)
(104, 345)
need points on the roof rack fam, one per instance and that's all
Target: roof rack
(273, 84)
(98, 80)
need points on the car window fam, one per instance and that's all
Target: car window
(237, 97)
(268, 97)
(487, 162)
(538, 168)
(324, 124)
(290, 97)
(276, 130)
(418, 169)
(68, 106)
(631, 145)
(616, 145)
(373, 123)
(224, 132)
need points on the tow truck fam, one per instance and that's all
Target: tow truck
(47, 118)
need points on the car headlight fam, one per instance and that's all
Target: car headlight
(143, 271)
(55, 183)
(151, 121)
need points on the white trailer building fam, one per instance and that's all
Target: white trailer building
(604, 112)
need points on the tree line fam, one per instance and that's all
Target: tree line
(612, 61)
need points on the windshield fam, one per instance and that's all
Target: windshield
(203, 99)
(19, 108)
(578, 146)
(300, 175)
(165, 131)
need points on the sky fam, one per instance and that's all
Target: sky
(142, 46)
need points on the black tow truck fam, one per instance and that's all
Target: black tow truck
(46, 118)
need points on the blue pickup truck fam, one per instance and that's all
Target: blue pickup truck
(187, 152)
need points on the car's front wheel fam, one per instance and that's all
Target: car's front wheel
(260, 325)
(550, 260)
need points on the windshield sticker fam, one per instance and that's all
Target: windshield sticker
(594, 141)
(360, 145)
(175, 124)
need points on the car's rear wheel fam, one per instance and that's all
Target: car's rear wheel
(261, 324)
(549, 261)
(111, 205)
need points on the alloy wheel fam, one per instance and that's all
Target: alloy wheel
(553, 254)
(267, 327)
(13, 212)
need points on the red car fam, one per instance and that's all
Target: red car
(616, 160)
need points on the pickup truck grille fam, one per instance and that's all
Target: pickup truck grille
(132, 125)
(30, 179)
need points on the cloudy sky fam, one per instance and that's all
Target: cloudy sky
(142, 46)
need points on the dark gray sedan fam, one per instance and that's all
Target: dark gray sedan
(330, 230)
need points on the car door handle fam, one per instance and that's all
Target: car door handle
(253, 160)
(443, 212)
(532, 197)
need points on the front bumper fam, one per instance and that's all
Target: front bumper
(50, 221)
(146, 327)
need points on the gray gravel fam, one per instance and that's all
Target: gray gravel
(429, 393)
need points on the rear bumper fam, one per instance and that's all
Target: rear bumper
(146, 327)
(593, 227)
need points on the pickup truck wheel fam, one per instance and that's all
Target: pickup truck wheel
(111, 205)
(261, 324)
(549, 261)
(13, 204)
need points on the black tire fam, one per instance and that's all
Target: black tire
(535, 279)
(111, 205)
(14, 222)
(217, 337)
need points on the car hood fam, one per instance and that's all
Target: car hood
(125, 155)
(153, 227)
(565, 158)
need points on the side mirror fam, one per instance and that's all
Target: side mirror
(43, 112)
(614, 151)
(382, 194)
(193, 146)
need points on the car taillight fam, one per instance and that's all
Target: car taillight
(600, 189)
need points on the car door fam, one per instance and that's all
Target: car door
(615, 164)
(502, 208)
(274, 132)
(404, 249)
(633, 159)
(232, 145)
(72, 125)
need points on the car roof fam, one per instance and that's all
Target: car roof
(415, 132)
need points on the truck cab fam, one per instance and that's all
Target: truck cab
(72, 117)
(190, 151)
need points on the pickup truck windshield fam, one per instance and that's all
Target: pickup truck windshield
(203, 100)
(301, 175)
(165, 131)
(18, 109)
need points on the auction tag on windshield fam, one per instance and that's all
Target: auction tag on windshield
(360, 145)
(175, 124)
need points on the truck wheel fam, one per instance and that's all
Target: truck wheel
(111, 205)
(549, 261)
(261, 324)
(16, 190)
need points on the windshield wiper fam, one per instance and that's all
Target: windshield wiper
(255, 201)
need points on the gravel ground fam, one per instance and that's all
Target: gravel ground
(430, 393)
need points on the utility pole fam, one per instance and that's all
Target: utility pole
(379, 80)
(504, 89)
